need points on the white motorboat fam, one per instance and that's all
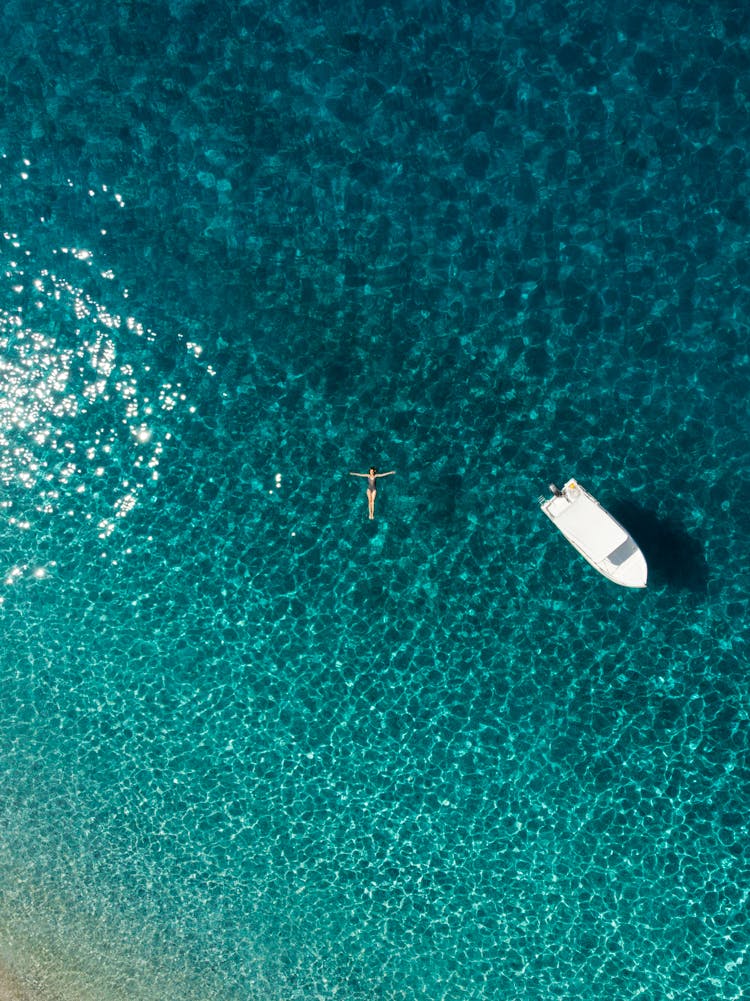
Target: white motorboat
(597, 536)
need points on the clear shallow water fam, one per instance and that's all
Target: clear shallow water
(252, 744)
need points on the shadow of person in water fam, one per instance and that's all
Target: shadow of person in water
(441, 505)
(673, 556)
(448, 494)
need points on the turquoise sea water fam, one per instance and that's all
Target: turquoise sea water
(252, 745)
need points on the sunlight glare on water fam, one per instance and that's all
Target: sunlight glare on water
(75, 415)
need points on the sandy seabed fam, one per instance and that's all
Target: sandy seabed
(11, 988)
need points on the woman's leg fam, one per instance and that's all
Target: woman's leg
(371, 502)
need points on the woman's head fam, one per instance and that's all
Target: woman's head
(373, 470)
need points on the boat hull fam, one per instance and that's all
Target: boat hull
(598, 537)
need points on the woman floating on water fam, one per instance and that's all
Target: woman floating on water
(372, 479)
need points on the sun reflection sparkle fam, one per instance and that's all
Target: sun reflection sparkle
(68, 390)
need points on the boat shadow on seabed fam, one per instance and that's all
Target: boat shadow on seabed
(674, 558)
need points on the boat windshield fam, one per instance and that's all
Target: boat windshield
(626, 549)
